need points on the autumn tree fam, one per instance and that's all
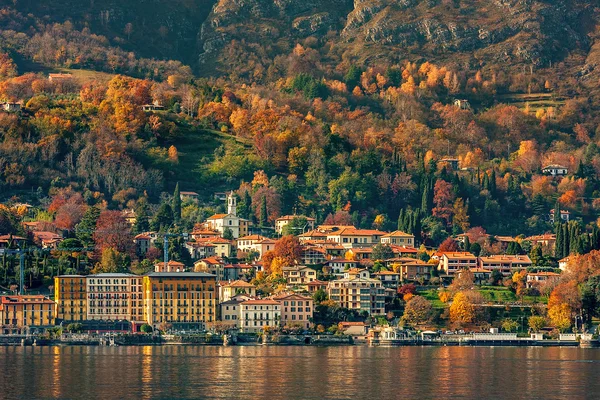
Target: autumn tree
(418, 310)
(536, 323)
(113, 231)
(462, 310)
(442, 198)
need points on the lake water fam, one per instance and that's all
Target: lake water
(269, 372)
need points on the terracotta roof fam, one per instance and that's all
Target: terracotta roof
(398, 233)
(342, 260)
(386, 273)
(403, 249)
(554, 166)
(313, 233)
(238, 283)
(188, 193)
(171, 263)
(26, 299)
(292, 296)
(506, 257)
(291, 217)
(543, 274)
(257, 238)
(261, 302)
(545, 236)
(316, 282)
(358, 232)
(142, 236)
(480, 270)
(218, 216)
(458, 254)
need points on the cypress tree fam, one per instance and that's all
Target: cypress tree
(558, 248)
(467, 244)
(557, 218)
(263, 212)
(401, 220)
(565, 240)
(425, 198)
(493, 182)
(142, 216)
(176, 204)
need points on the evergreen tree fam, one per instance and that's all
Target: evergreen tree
(142, 216)
(401, 220)
(163, 218)
(493, 182)
(176, 204)
(263, 212)
(559, 246)
(244, 206)
(467, 244)
(565, 240)
(86, 227)
(514, 248)
(557, 218)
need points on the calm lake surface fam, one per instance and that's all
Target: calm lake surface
(260, 372)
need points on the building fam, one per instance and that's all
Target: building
(255, 315)
(337, 266)
(462, 104)
(296, 310)
(211, 265)
(563, 263)
(389, 279)
(59, 77)
(250, 243)
(239, 227)
(199, 250)
(565, 215)
(398, 238)
(352, 237)
(155, 106)
(555, 170)
(411, 269)
(547, 240)
(538, 278)
(70, 296)
(506, 264)
(189, 196)
(143, 243)
(228, 290)
(316, 285)
(109, 297)
(451, 263)
(171, 266)
(299, 275)
(11, 107)
(312, 255)
(234, 272)
(312, 236)
(357, 291)
(448, 162)
(26, 314)
(185, 300)
(286, 219)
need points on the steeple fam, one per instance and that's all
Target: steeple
(231, 204)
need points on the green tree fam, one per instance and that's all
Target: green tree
(510, 325)
(319, 296)
(418, 310)
(514, 248)
(146, 328)
(382, 252)
(163, 218)
(176, 204)
(227, 233)
(536, 323)
(142, 216)
(86, 227)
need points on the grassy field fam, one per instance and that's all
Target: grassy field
(534, 101)
(85, 75)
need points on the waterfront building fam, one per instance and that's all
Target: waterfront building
(296, 310)
(70, 296)
(255, 315)
(26, 314)
(230, 289)
(185, 300)
(357, 291)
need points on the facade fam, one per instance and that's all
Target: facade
(186, 300)
(389, 279)
(451, 263)
(171, 266)
(337, 266)
(70, 296)
(199, 250)
(398, 238)
(110, 297)
(251, 243)
(255, 315)
(286, 219)
(191, 196)
(538, 278)
(295, 310)
(299, 275)
(565, 215)
(506, 264)
(219, 222)
(211, 265)
(230, 310)
(555, 170)
(229, 290)
(357, 291)
(26, 314)
(312, 255)
(352, 238)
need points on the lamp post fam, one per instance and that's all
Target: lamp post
(166, 237)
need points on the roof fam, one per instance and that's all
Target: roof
(313, 233)
(291, 217)
(347, 323)
(545, 236)
(399, 233)
(253, 237)
(111, 275)
(480, 270)
(70, 276)
(358, 232)
(180, 275)
(403, 249)
(142, 236)
(21, 299)
(341, 260)
(266, 302)
(317, 282)
(188, 193)
(218, 216)
(292, 296)
(506, 257)
(543, 274)
(458, 254)
(171, 263)
(210, 260)
(386, 273)
(239, 283)
(554, 166)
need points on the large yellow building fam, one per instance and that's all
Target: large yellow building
(70, 296)
(186, 300)
(26, 314)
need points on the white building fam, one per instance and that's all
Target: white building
(257, 314)
(220, 222)
(114, 296)
(555, 170)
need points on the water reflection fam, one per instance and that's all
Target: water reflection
(260, 372)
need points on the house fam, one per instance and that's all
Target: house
(411, 269)
(189, 196)
(234, 272)
(59, 77)
(295, 310)
(480, 275)
(337, 266)
(11, 107)
(506, 264)
(199, 250)
(547, 240)
(563, 263)
(204, 234)
(312, 255)
(230, 310)
(555, 170)
(315, 285)
(143, 243)
(389, 279)
(449, 162)
(357, 291)
(230, 289)
(299, 275)
(171, 266)
(354, 328)
(462, 104)
(565, 215)
(356, 238)
(311, 236)
(251, 243)
(452, 262)
(47, 240)
(537, 278)
(257, 314)
(211, 265)
(402, 251)
(12, 241)
(26, 314)
(129, 216)
(155, 106)
(286, 219)
(239, 227)
(398, 238)
(333, 228)
(223, 247)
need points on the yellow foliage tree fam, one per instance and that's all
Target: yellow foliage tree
(462, 310)
(560, 316)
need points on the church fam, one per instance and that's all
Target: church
(219, 222)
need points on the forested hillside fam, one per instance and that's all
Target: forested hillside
(317, 107)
